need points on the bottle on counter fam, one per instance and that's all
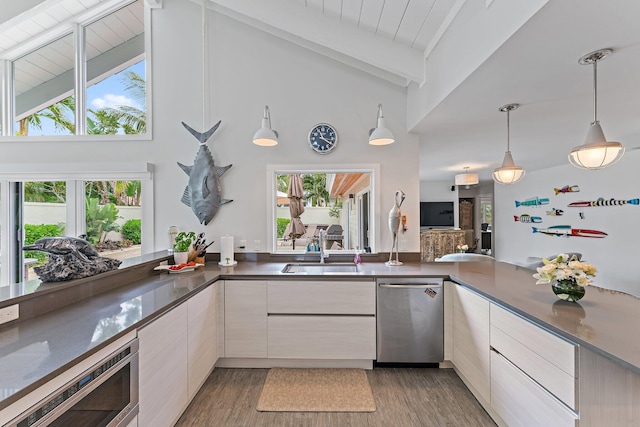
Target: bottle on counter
(357, 259)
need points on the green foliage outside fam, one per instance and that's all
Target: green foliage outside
(34, 232)
(315, 189)
(132, 230)
(282, 225)
(100, 220)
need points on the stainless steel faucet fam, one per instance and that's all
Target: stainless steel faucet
(321, 238)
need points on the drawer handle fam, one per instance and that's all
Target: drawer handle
(426, 286)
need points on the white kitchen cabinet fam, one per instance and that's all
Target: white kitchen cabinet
(163, 369)
(245, 319)
(322, 337)
(520, 401)
(202, 329)
(321, 297)
(471, 341)
(321, 319)
(542, 355)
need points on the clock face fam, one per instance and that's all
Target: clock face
(323, 138)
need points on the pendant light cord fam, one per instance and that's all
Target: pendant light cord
(508, 131)
(595, 91)
(205, 63)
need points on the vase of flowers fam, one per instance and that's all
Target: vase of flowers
(568, 276)
(462, 248)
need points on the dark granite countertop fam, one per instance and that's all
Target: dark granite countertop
(36, 350)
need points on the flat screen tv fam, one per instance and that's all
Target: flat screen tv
(436, 214)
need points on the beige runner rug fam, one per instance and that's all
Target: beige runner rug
(316, 390)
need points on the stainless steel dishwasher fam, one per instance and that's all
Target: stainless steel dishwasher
(410, 319)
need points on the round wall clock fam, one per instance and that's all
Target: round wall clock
(323, 138)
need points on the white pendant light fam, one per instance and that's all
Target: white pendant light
(596, 152)
(467, 179)
(508, 173)
(380, 135)
(265, 136)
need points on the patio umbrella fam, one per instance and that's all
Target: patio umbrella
(295, 228)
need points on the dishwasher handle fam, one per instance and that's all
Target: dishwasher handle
(422, 286)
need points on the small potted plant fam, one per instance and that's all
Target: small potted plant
(181, 247)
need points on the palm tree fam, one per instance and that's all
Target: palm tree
(132, 120)
(315, 189)
(59, 113)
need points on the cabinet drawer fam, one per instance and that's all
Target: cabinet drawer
(322, 337)
(546, 345)
(321, 297)
(554, 379)
(520, 401)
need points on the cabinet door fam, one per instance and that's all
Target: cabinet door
(321, 297)
(471, 340)
(163, 369)
(520, 401)
(245, 318)
(322, 337)
(203, 336)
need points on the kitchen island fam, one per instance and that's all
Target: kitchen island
(604, 324)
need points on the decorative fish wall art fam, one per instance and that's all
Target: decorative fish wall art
(602, 202)
(567, 189)
(555, 212)
(203, 193)
(527, 218)
(567, 231)
(534, 201)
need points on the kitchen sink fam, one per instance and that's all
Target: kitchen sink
(316, 268)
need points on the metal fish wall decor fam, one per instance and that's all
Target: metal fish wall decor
(555, 212)
(567, 189)
(534, 201)
(602, 202)
(527, 218)
(203, 194)
(567, 231)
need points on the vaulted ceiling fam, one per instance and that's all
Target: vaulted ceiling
(407, 43)
(535, 66)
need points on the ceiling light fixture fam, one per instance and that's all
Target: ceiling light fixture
(380, 135)
(466, 179)
(596, 152)
(508, 173)
(266, 137)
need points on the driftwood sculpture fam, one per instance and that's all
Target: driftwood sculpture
(70, 258)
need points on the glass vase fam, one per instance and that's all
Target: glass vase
(567, 290)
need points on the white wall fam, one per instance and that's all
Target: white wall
(614, 256)
(248, 69)
(456, 55)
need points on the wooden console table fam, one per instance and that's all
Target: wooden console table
(435, 243)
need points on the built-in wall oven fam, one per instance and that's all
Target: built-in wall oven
(106, 395)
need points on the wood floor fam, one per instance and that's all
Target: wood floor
(404, 397)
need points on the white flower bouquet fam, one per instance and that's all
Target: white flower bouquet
(564, 269)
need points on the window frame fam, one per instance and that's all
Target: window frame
(74, 174)
(76, 28)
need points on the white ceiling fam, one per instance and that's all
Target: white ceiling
(536, 67)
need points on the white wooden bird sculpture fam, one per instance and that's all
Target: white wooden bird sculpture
(394, 224)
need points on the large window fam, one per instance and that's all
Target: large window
(106, 94)
(103, 202)
(338, 200)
